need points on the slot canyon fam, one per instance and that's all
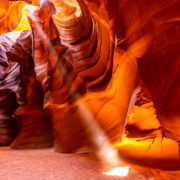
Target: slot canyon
(90, 89)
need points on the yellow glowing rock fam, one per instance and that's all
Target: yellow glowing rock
(153, 149)
(143, 117)
(24, 23)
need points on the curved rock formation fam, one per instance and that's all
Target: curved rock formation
(92, 68)
(51, 68)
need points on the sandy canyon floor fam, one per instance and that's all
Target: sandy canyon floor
(46, 164)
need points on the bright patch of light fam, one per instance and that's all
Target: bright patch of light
(41, 2)
(75, 4)
(64, 5)
(119, 171)
(24, 23)
(29, 9)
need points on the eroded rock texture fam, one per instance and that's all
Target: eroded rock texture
(34, 128)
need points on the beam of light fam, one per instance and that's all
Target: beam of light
(119, 171)
(107, 154)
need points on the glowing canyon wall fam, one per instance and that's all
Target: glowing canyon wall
(70, 63)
